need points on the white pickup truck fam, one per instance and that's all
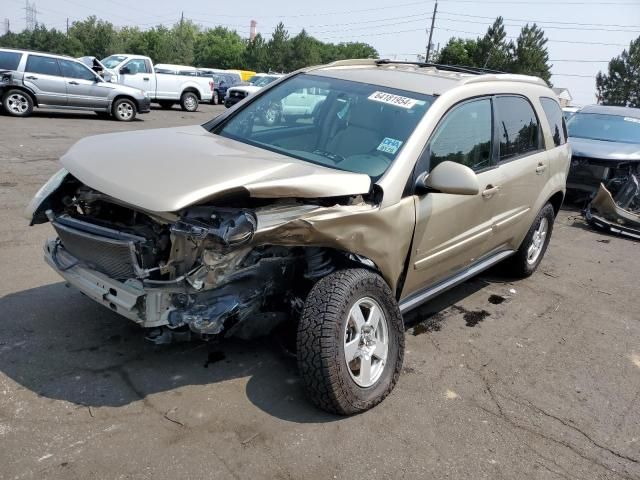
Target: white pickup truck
(166, 86)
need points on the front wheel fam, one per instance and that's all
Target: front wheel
(17, 103)
(189, 102)
(533, 247)
(350, 342)
(124, 110)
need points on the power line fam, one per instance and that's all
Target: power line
(544, 21)
(550, 27)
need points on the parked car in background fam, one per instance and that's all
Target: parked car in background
(166, 88)
(245, 75)
(236, 94)
(35, 79)
(222, 81)
(405, 182)
(569, 112)
(606, 148)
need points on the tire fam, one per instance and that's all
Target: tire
(124, 110)
(166, 105)
(17, 103)
(215, 100)
(533, 247)
(189, 102)
(327, 332)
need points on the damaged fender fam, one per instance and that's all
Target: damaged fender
(362, 229)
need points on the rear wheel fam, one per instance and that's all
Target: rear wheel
(350, 342)
(124, 110)
(215, 100)
(189, 102)
(17, 103)
(533, 247)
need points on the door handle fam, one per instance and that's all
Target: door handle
(73, 83)
(31, 77)
(146, 79)
(490, 191)
(541, 168)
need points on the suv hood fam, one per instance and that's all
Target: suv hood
(165, 170)
(603, 150)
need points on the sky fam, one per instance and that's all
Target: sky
(583, 34)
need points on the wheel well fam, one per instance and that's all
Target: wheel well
(556, 201)
(191, 90)
(119, 97)
(22, 89)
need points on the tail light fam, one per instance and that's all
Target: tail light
(211, 85)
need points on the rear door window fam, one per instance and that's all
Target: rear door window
(518, 128)
(9, 60)
(75, 70)
(43, 65)
(465, 136)
(556, 120)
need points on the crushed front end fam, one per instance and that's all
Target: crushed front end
(617, 209)
(209, 271)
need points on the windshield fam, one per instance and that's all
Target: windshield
(262, 80)
(610, 128)
(339, 124)
(113, 61)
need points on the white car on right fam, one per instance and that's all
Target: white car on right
(256, 83)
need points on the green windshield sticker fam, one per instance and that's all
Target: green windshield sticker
(389, 145)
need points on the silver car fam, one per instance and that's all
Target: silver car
(35, 79)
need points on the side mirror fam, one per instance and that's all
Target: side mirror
(449, 177)
(125, 71)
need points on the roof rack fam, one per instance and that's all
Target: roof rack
(439, 66)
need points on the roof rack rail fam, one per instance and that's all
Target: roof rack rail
(439, 66)
(353, 62)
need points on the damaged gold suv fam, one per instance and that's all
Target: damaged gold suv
(333, 201)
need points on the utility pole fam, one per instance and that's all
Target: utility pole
(67, 26)
(182, 18)
(433, 21)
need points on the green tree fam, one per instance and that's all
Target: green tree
(219, 48)
(278, 49)
(459, 51)
(255, 56)
(183, 39)
(621, 85)
(493, 49)
(97, 37)
(530, 55)
(305, 51)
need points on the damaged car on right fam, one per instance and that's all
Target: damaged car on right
(605, 166)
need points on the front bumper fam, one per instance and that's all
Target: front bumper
(144, 105)
(231, 101)
(149, 308)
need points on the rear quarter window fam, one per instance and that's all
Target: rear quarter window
(9, 60)
(556, 120)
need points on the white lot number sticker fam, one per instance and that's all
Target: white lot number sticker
(631, 119)
(391, 99)
(389, 145)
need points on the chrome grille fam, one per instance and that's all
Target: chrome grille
(115, 257)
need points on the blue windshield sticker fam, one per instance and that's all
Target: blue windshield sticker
(390, 145)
